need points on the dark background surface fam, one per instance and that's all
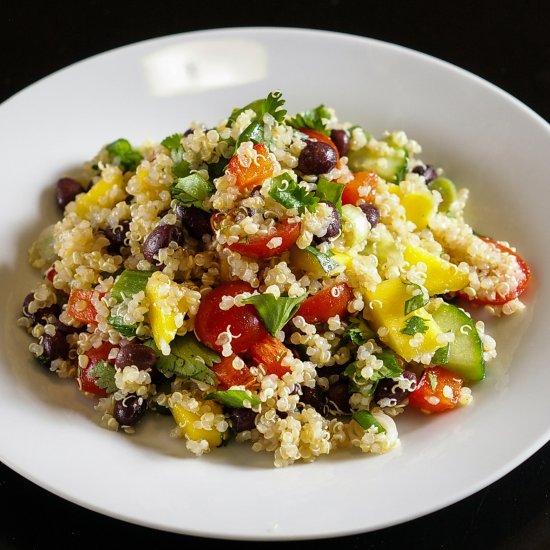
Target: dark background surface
(507, 43)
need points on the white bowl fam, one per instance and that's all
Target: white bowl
(485, 139)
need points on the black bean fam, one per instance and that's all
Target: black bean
(66, 329)
(329, 370)
(241, 419)
(195, 220)
(338, 396)
(387, 388)
(427, 171)
(28, 299)
(188, 132)
(66, 191)
(317, 157)
(296, 389)
(333, 230)
(159, 238)
(55, 346)
(129, 410)
(116, 236)
(41, 315)
(140, 355)
(372, 213)
(340, 138)
(314, 397)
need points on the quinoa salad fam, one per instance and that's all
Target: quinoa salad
(289, 282)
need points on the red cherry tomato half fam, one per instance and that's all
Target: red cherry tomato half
(228, 375)
(80, 306)
(286, 232)
(438, 390)
(243, 322)
(367, 179)
(319, 136)
(86, 379)
(514, 293)
(270, 352)
(249, 176)
(332, 300)
(51, 273)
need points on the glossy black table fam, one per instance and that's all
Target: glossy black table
(507, 43)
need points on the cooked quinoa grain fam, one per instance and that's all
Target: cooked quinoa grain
(269, 297)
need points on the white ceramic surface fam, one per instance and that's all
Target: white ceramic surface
(486, 140)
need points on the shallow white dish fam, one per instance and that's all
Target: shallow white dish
(485, 139)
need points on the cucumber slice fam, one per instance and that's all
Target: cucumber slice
(129, 282)
(355, 225)
(385, 249)
(313, 261)
(447, 190)
(391, 166)
(466, 352)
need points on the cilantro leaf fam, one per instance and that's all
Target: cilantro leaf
(192, 190)
(359, 384)
(172, 142)
(217, 169)
(366, 420)
(188, 357)
(128, 283)
(123, 154)
(358, 332)
(181, 167)
(414, 324)
(312, 118)
(104, 374)
(254, 132)
(118, 323)
(271, 104)
(390, 367)
(353, 373)
(433, 380)
(441, 355)
(275, 312)
(325, 261)
(418, 300)
(330, 191)
(287, 192)
(234, 398)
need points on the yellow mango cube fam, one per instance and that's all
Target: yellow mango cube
(343, 259)
(143, 187)
(385, 309)
(441, 276)
(166, 309)
(419, 205)
(186, 421)
(104, 194)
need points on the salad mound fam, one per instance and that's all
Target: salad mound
(292, 283)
